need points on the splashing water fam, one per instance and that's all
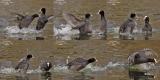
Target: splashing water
(8, 71)
(15, 29)
(64, 69)
(61, 69)
(109, 66)
(64, 30)
(91, 68)
(13, 71)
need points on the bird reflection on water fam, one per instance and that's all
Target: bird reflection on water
(25, 77)
(46, 76)
(80, 76)
(126, 37)
(140, 75)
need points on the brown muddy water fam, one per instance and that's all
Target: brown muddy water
(111, 53)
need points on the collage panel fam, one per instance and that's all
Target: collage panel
(79, 40)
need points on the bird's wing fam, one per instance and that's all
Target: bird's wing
(19, 65)
(49, 17)
(76, 61)
(149, 52)
(80, 67)
(77, 64)
(71, 19)
(131, 58)
(82, 24)
(124, 26)
(19, 15)
(22, 67)
(26, 67)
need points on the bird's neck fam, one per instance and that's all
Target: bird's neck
(44, 12)
(131, 19)
(103, 17)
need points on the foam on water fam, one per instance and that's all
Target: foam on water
(8, 71)
(109, 66)
(25, 33)
(15, 29)
(64, 29)
(92, 68)
(61, 69)
(64, 32)
(13, 71)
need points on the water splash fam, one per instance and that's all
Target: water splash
(91, 68)
(109, 66)
(11, 70)
(31, 71)
(64, 70)
(64, 32)
(61, 69)
(64, 29)
(8, 71)
(22, 34)
(15, 29)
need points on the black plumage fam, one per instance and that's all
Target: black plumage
(129, 25)
(23, 64)
(25, 20)
(79, 63)
(46, 66)
(43, 19)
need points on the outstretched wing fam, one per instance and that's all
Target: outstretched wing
(82, 24)
(149, 52)
(71, 19)
(23, 64)
(20, 65)
(19, 16)
(49, 17)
